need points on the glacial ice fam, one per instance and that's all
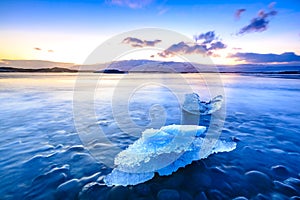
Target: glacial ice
(194, 105)
(163, 151)
(157, 148)
(117, 177)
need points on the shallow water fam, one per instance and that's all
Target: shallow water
(42, 155)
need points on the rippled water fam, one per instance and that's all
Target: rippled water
(42, 155)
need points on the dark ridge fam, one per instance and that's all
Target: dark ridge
(111, 71)
(54, 69)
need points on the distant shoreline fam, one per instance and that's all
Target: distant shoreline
(40, 70)
(117, 71)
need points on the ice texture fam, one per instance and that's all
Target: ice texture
(157, 148)
(163, 151)
(194, 105)
(117, 177)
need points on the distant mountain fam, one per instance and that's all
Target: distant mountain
(54, 69)
(152, 66)
(141, 66)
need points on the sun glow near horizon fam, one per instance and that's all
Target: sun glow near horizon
(75, 48)
(49, 46)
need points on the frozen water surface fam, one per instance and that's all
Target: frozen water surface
(42, 157)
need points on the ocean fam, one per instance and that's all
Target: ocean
(50, 147)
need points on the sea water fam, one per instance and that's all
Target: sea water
(43, 155)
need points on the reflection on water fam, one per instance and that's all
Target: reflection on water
(41, 154)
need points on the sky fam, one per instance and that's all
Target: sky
(229, 32)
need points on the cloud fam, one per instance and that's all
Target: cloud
(40, 49)
(135, 42)
(266, 58)
(205, 44)
(134, 4)
(259, 23)
(207, 37)
(238, 12)
(217, 45)
(182, 48)
(194, 48)
(271, 5)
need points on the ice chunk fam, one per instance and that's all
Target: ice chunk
(194, 105)
(157, 148)
(117, 177)
(163, 151)
(193, 153)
